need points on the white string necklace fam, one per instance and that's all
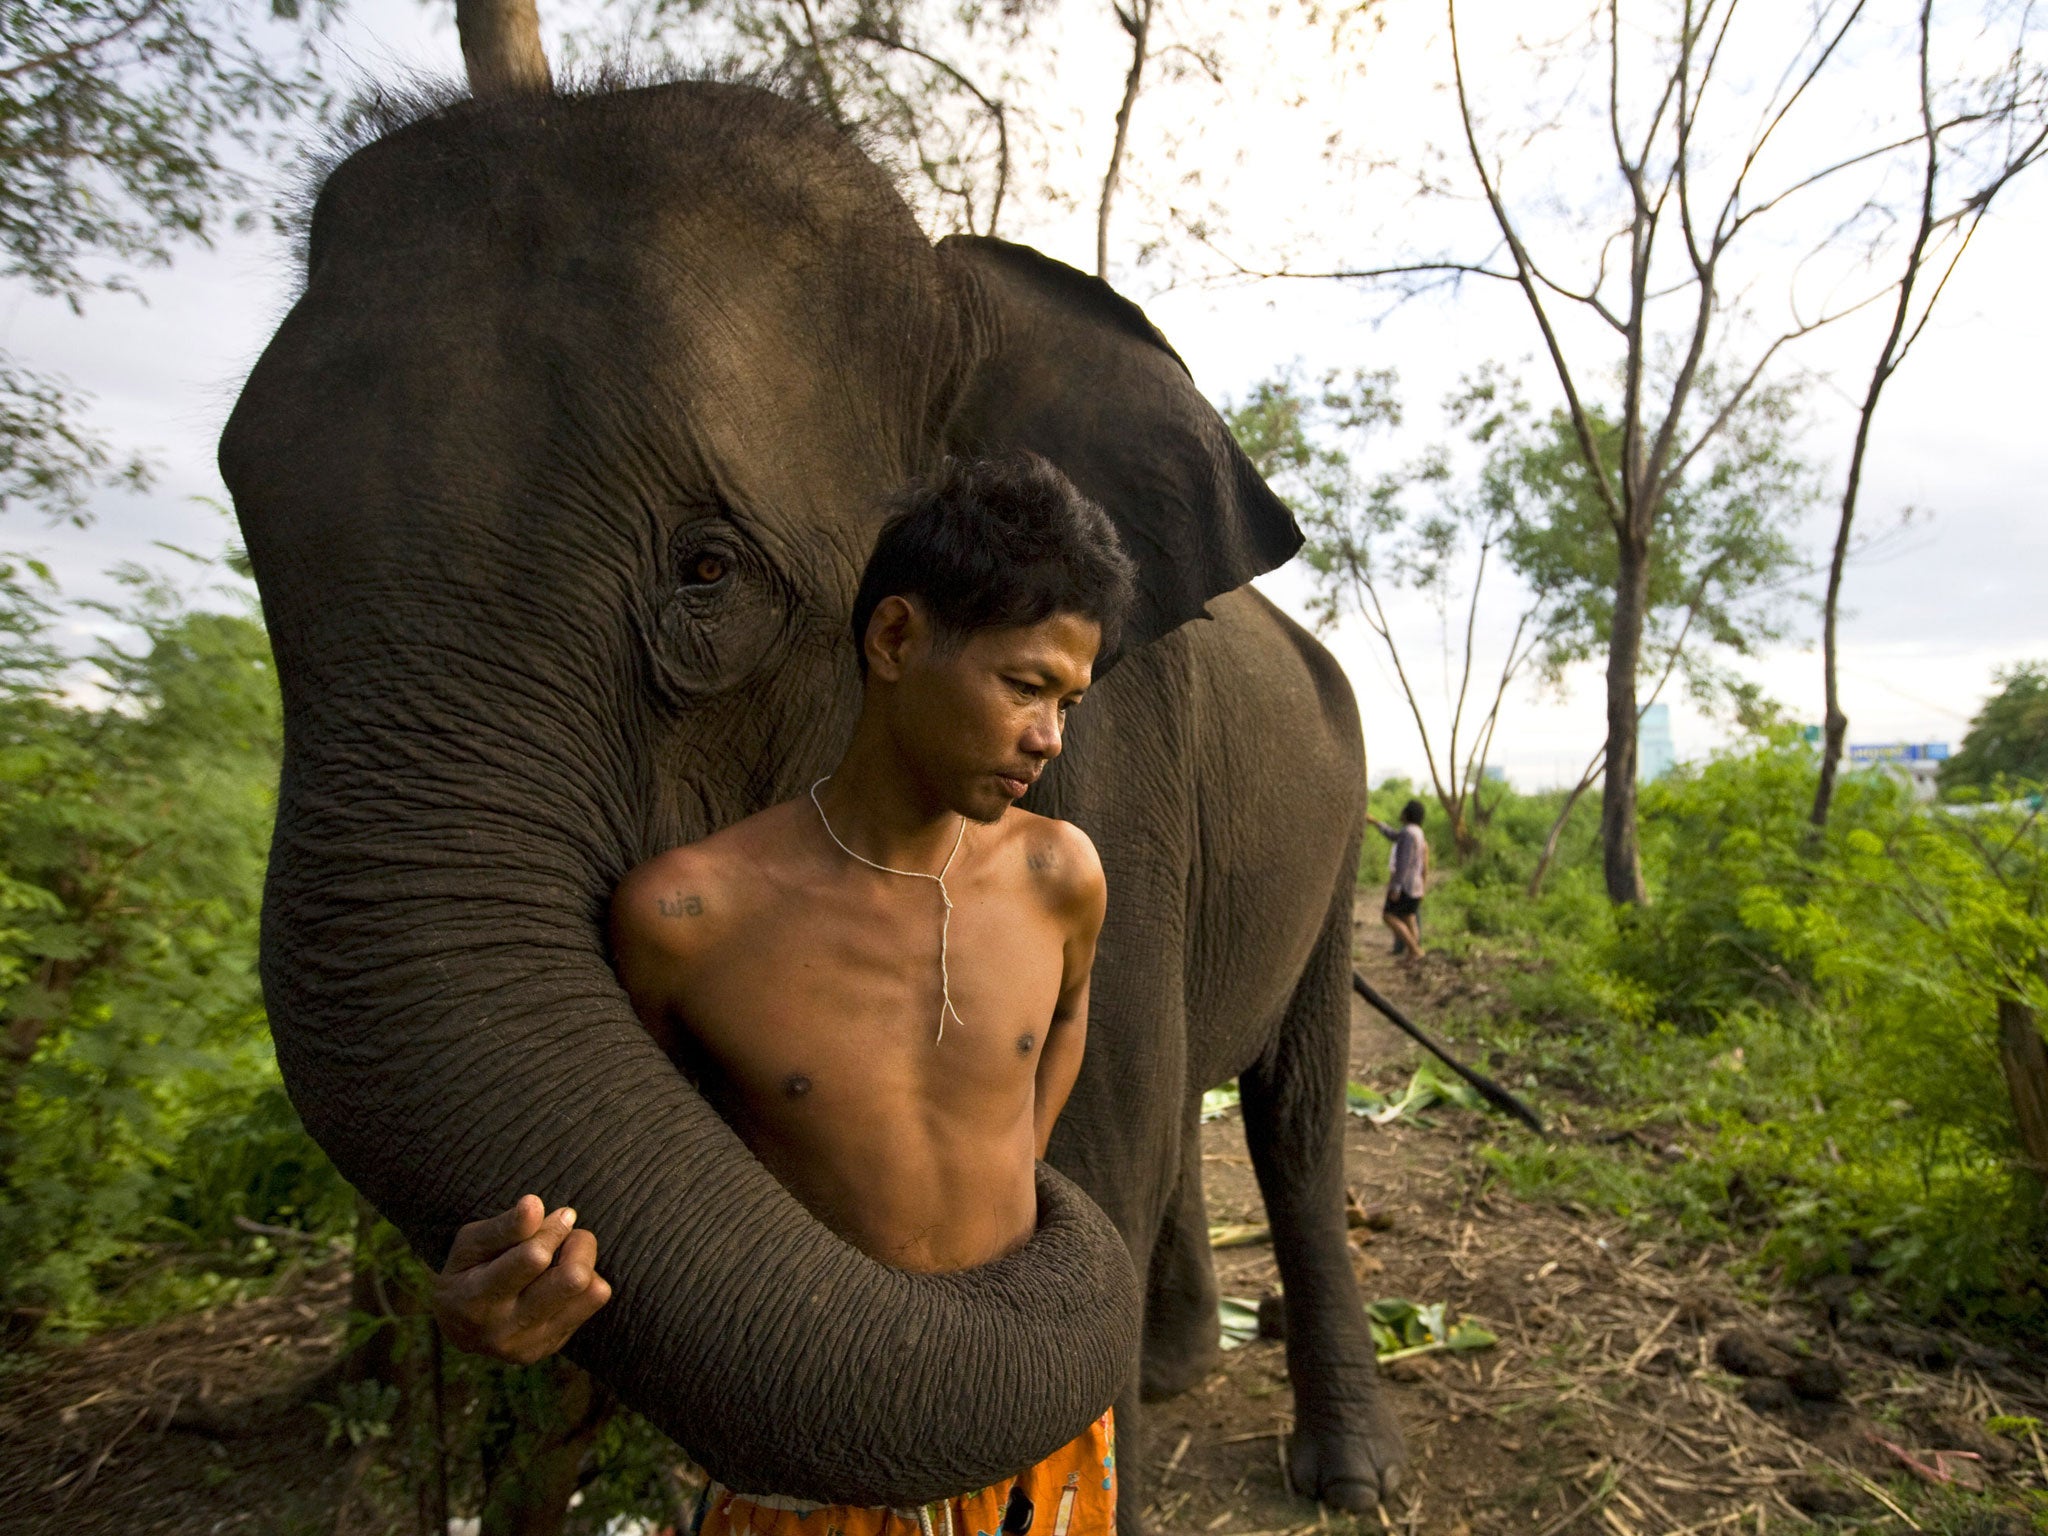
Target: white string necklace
(945, 923)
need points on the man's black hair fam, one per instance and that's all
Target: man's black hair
(997, 544)
(1412, 813)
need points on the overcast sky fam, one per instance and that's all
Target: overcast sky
(1961, 592)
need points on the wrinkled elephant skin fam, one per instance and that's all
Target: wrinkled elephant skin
(551, 353)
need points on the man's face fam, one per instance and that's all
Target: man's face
(981, 717)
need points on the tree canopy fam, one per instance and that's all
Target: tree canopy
(125, 126)
(1516, 492)
(2008, 739)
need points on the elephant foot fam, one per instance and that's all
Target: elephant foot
(1352, 1459)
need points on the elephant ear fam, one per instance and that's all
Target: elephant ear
(1059, 364)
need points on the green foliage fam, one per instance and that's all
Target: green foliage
(2007, 743)
(123, 128)
(484, 1428)
(1401, 1328)
(1722, 552)
(1796, 1040)
(140, 1111)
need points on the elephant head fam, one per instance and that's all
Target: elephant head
(558, 479)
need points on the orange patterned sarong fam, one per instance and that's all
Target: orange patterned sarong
(1071, 1493)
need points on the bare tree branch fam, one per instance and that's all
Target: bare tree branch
(1137, 24)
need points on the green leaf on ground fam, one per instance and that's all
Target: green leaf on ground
(1426, 1089)
(1240, 1320)
(1218, 1102)
(1400, 1327)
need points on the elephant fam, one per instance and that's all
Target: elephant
(557, 480)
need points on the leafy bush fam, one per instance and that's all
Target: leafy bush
(140, 1110)
(1798, 1034)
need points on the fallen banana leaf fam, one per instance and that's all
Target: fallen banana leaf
(1426, 1089)
(1219, 1102)
(1240, 1320)
(1240, 1236)
(1400, 1328)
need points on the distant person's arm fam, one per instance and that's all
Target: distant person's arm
(1389, 833)
(1083, 902)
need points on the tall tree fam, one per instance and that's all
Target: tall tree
(1717, 585)
(1660, 169)
(1528, 513)
(1367, 536)
(1976, 135)
(125, 126)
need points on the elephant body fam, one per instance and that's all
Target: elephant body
(549, 354)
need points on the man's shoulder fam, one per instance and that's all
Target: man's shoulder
(689, 893)
(1061, 861)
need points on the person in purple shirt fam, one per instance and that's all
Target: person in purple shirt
(1407, 878)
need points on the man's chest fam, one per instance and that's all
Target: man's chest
(830, 1004)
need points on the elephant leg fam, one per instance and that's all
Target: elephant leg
(1346, 1448)
(1182, 1342)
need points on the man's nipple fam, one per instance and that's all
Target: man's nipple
(795, 1086)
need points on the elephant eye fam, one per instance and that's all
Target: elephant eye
(707, 569)
(721, 606)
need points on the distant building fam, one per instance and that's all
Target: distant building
(1654, 757)
(1918, 762)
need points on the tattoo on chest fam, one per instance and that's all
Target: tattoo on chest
(1041, 859)
(680, 905)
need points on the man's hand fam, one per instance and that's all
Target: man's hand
(516, 1286)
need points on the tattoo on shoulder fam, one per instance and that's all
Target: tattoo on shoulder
(680, 905)
(1042, 859)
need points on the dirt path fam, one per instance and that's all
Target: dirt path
(1603, 1408)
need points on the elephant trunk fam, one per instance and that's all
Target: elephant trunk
(458, 798)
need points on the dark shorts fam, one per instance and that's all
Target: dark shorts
(1402, 906)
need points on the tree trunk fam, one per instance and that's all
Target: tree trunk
(1464, 841)
(432, 1438)
(528, 1493)
(1620, 854)
(501, 48)
(377, 1289)
(1835, 724)
(2024, 1055)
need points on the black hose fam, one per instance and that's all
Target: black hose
(1488, 1089)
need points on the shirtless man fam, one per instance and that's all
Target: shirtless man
(900, 947)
